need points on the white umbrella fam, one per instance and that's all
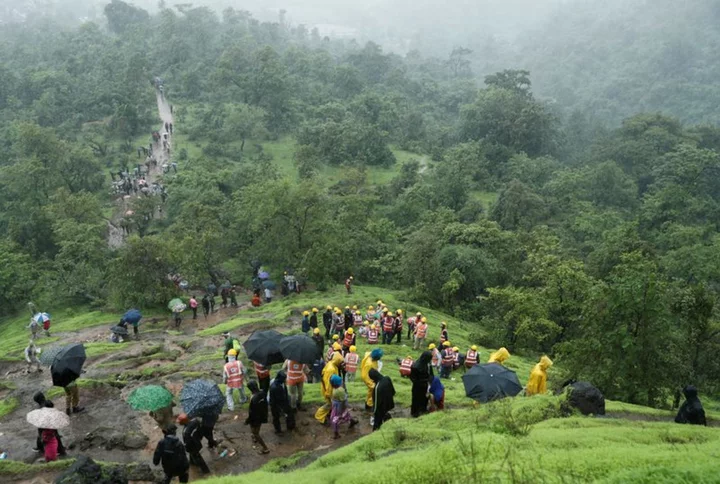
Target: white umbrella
(48, 418)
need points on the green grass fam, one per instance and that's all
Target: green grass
(8, 405)
(519, 440)
(16, 468)
(488, 199)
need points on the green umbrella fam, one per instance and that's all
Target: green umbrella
(150, 397)
(176, 305)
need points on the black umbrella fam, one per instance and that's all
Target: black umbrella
(264, 347)
(121, 330)
(67, 365)
(491, 381)
(201, 398)
(300, 348)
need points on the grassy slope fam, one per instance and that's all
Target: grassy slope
(489, 443)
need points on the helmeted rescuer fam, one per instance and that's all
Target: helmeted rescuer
(421, 329)
(233, 377)
(537, 384)
(472, 357)
(348, 339)
(406, 366)
(499, 356)
(296, 374)
(326, 389)
(448, 360)
(351, 363)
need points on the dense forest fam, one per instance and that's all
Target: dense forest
(548, 232)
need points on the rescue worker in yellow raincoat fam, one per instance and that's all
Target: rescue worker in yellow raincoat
(370, 362)
(499, 356)
(331, 368)
(537, 384)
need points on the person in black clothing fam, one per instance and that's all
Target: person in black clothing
(42, 402)
(691, 412)
(258, 414)
(313, 319)
(280, 403)
(206, 305)
(171, 452)
(383, 398)
(327, 321)
(206, 429)
(192, 436)
(224, 297)
(348, 318)
(420, 375)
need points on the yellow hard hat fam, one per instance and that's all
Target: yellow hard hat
(336, 308)
(367, 323)
(432, 346)
(315, 310)
(373, 326)
(385, 310)
(370, 308)
(408, 357)
(379, 302)
(285, 273)
(316, 331)
(473, 347)
(446, 344)
(337, 347)
(350, 331)
(354, 308)
(232, 352)
(358, 312)
(306, 313)
(347, 307)
(353, 349)
(455, 348)
(399, 311)
(418, 314)
(336, 337)
(351, 277)
(443, 324)
(424, 319)
(329, 308)
(337, 311)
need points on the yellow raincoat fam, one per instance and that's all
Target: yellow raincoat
(537, 385)
(368, 364)
(499, 356)
(326, 389)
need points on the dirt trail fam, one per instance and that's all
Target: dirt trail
(110, 430)
(116, 236)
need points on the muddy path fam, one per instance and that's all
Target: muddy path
(109, 430)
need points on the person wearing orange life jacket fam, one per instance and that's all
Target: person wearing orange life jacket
(443, 333)
(388, 323)
(370, 314)
(351, 363)
(373, 335)
(448, 360)
(331, 349)
(233, 377)
(406, 367)
(349, 339)
(421, 330)
(296, 377)
(459, 358)
(472, 357)
(398, 325)
(338, 324)
(263, 375)
(436, 357)
(357, 319)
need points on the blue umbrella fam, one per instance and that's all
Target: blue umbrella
(269, 285)
(264, 275)
(40, 318)
(202, 397)
(133, 316)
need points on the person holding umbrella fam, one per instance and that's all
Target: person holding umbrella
(203, 398)
(157, 400)
(42, 402)
(192, 437)
(48, 421)
(171, 453)
(133, 317)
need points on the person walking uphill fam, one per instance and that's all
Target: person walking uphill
(72, 398)
(691, 411)
(327, 321)
(193, 306)
(295, 381)
(258, 414)
(537, 384)
(280, 403)
(331, 368)
(383, 398)
(192, 437)
(340, 408)
(370, 362)
(421, 374)
(171, 453)
(233, 377)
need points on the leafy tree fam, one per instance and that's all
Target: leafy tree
(122, 16)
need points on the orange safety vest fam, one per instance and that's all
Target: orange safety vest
(421, 330)
(348, 340)
(398, 324)
(351, 361)
(412, 320)
(261, 371)
(295, 373)
(448, 358)
(370, 316)
(329, 354)
(471, 359)
(443, 336)
(388, 324)
(456, 359)
(406, 366)
(372, 336)
(435, 357)
(234, 371)
(357, 320)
